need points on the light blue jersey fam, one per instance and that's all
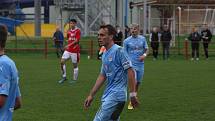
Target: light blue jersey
(8, 86)
(114, 67)
(135, 47)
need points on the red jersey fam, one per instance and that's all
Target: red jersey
(72, 35)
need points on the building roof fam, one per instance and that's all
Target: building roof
(23, 3)
(182, 1)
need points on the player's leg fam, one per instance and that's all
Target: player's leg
(205, 45)
(109, 111)
(153, 50)
(139, 77)
(156, 50)
(75, 59)
(163, 44)
(206, 50)
(58, 52)
(56, 49)
(63, 60)
(197, 51)
(61, 49)
(167, 50)
(193, 49)
(130, 107)
(154, 53)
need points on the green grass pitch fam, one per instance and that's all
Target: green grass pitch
(174, 90)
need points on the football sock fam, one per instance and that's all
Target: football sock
(64, 71)
(75, 75)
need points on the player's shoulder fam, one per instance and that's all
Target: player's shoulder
(141, 37)
(128, 39)
(6, 61)
(5, 58)
(119, 49)
(77, 29)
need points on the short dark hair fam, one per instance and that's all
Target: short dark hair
(3, 35)
(73, 20)
(110, 28)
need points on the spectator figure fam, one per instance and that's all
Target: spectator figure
(127, 31)
(58, 39)
(118, 37)
(154, 40)
(195, 38)
(166, 37)
(10, 96)
(206, 38)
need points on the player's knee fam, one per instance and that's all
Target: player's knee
(62, 62)
(138, 83)
(75, 65)
(115, 115)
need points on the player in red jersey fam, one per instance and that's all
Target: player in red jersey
(72, 51)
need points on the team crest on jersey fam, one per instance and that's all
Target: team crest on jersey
(72, 34)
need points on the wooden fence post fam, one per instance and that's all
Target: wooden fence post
(90, 51)
(46, 49)
(186, 49)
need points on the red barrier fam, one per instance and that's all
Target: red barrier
(90, 51)
(186, 49)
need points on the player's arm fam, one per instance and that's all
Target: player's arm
(4, 85)
(3, 99)
(125, 46)
(209, 35)
(146, 52)
(99, 82)
(132, 87)
(77, 38)
(75, 42)
(18, 103)
(126, 63)
(159, 37)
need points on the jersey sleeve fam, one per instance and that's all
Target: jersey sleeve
(4, 79)
(123, 59)
(78, 35)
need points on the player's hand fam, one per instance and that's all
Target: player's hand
(134, 101)
(141, 58)
(88, 102)
(65, 47)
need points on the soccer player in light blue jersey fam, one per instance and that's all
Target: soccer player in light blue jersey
(10, 97)
(117, 73)
(137, 49)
